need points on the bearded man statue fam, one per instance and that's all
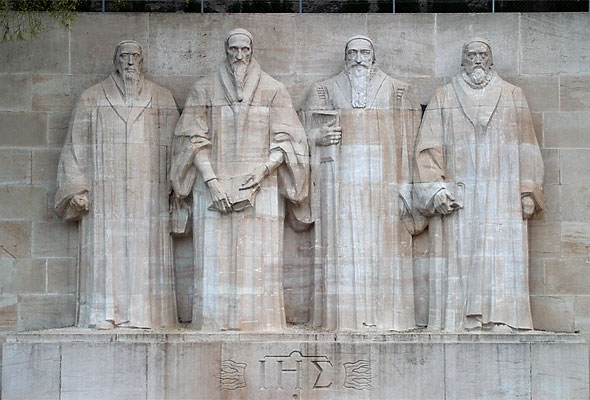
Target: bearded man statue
(479, 176)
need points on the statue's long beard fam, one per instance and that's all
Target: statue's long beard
(240, 68)
(477, 78)
(131, 81)
(359, 79)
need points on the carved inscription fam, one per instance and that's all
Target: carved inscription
(284, 371)
(358, 375)
(232, 375)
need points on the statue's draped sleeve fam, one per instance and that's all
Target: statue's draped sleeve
(288, 136)
(73, 169)
(429, 169)
(529, 157)
(190, 137)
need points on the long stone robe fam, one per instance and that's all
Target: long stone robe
(483, 149)
(119, 155)
(363, 251)
(239, 256)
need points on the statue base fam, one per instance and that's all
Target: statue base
(75, 363)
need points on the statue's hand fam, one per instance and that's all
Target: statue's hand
(219, 196)
(255, 177)
(79, 202)
(444, 202)
(528, 207)
(329, 135)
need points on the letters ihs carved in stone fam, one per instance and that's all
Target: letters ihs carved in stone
(479, 176)
(240, 150)
(112, 176)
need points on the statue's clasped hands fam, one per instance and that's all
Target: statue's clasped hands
(528, 207)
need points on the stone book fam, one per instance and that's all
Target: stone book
(239, 198)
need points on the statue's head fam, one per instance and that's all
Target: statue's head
(476, 59)
(128, 58)
(238, 47)
(359, 52)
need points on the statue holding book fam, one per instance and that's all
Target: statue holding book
(239, 152)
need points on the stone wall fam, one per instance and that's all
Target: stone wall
(546, 54)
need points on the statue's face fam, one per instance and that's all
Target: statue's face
(477, 55)
(239, 49)
(129, 59)
(359, 53)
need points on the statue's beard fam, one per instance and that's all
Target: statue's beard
(131, 81)
(240, 69)
(477, 77)
(359, 78)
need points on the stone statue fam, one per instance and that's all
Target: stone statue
(479, 175)
(240, 150)
(112, 176)
(361, 125)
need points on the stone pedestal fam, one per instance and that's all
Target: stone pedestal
(130, 364)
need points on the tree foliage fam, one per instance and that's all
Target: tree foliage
(25, 19)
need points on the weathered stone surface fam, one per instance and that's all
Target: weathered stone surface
(92, 51)
(38, 380)
(582, 313)
(22, 202)
(542, 92)
(30, 275)
(184, 277)
(573, 93)
(16, 92)
(325, 57)
(567, 279)
(545, 239)
(45, 165)
(23, 129)
(404, 45)
(15, 239)
(566, 130)
(15, 166)
(452, 31)
(60, 92)
(8, 313)
(62, 275)
(574, 165)
(551, 161)
(574, 202)
(536, 277)
(103, 371)
(575, 239)
(559, 373)
(54, 239)
(553, 44)
(57, 128)
(189, 365)
(469, 371)
(553, 313)
(46, 311)
(45, 54)
(178, 48)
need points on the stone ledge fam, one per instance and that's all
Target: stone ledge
(76, 363)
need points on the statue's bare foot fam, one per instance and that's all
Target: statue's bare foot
(105, 326)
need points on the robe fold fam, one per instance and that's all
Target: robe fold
(119, 155)
(239, 256)
(480, 145)
(361, 205)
